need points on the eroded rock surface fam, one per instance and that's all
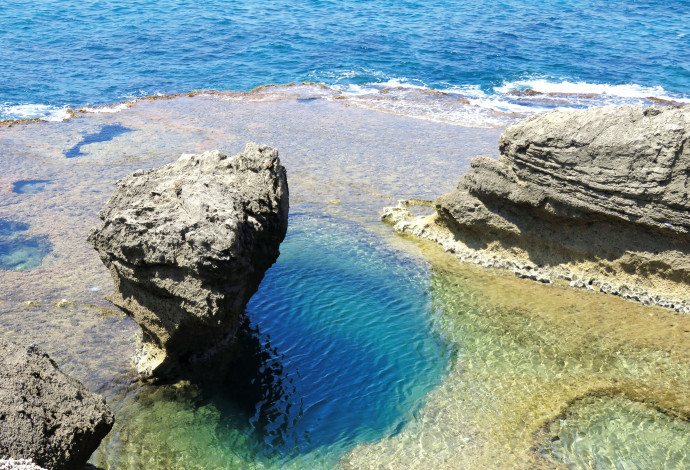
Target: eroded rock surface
(46, 416)
(188, 244)
(596, 197)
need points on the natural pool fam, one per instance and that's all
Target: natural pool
(29, 186)
(19, 252)
(363, 349)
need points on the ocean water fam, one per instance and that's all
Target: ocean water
(361, 349)
(59, 54)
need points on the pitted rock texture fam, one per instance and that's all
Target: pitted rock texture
(597, 197)
(187, 245)
(46, 416)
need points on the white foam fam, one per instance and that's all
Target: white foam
(112, 108)
(545, 86)
(32, 111)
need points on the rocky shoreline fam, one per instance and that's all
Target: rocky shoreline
(596, 198)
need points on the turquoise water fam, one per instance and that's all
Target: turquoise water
(58, 53)
(350, 322)
(18, 251)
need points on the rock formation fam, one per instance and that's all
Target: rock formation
(598, 198)
(187, 245)
(46, 416)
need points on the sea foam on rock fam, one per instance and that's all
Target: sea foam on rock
(45, 416)
(187, 245)
(597, 197)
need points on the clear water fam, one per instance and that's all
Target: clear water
(338, 350)
(29, 186)
(595, 434)
(18, 251)
(68, 53)
(462, 367)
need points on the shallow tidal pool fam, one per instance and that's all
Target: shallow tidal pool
(361, 349)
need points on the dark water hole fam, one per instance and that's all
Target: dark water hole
(29, 186)
(106, 133)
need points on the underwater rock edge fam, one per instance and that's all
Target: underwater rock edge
(47, 416)
(187, 245)
(597, 198)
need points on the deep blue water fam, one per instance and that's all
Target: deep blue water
(348, 329)
(57, 53)
(339, 347)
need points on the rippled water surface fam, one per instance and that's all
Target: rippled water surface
(68, 53)
(361, 349)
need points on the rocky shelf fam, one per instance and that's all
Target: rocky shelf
(597, 198)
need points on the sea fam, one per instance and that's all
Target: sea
(472, 62)
(362, 348)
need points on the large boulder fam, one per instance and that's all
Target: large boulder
(596, 197)
(187, 245)
(46, 416)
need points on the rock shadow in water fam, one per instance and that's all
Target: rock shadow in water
(106, 133)
(246, 377)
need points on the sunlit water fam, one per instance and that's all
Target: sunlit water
(483, 55)
(361, 349)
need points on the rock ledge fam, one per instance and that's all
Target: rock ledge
(597, 198)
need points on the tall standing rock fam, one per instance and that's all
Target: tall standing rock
(45, 415)
(187, 245)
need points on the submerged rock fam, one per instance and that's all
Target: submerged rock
(596, 197)
(46, 416)
(187, 245)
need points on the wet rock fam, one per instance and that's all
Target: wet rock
(46, 416)
(599, 194)
(187, 245)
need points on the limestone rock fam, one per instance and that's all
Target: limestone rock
(187, 245)
(46, 416)
(597, 197)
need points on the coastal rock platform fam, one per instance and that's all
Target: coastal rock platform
(596, 198)
(187, 245)
(46, 416)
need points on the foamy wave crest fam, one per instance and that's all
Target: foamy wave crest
(464, 105)
(33, 111)
(111, 108)
(583, 88)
